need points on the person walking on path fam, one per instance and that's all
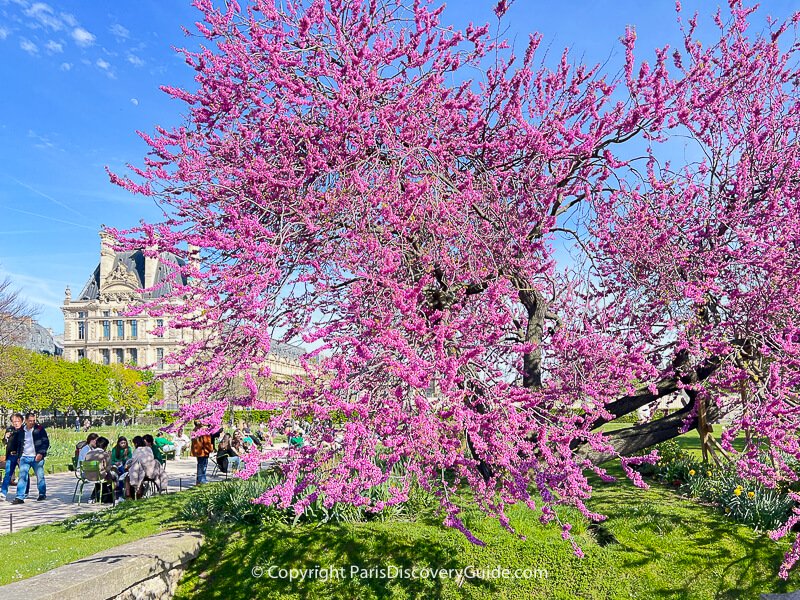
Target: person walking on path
(32, 447)
(201, 449)
(12, 453)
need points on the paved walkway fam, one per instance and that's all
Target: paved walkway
(60, 488)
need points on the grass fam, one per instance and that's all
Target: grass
(42, 548)
(654, 545)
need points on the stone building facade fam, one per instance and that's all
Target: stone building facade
(93, 326)
(95, 330)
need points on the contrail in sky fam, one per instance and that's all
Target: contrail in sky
(43, 195)
(25, 212)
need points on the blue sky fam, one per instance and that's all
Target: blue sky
(79, 78)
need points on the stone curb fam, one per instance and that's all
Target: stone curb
(111, 572)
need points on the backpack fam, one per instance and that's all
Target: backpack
(78, 447)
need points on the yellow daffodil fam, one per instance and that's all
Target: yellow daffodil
(751, 495)
(691, 473)
(737, 491)
(708, 473)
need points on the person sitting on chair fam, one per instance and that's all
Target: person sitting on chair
(234, 451)
(107, 471)
(83, 447)
(143, 466)
(296, 438)
(223, 453)
(180, 441)
(121, 454)
(239, 447)
(150, 441)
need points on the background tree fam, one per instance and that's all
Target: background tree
(491, 271)
(128, 391)
(89, 386)
(38, 382)
(15, 313)
(17, 367)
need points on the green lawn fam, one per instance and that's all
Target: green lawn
(654, 545)
(37, 549)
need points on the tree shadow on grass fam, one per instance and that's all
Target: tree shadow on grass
(221, 569)
(119, 519)
(697, 543)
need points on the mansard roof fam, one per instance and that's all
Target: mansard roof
(134, 263)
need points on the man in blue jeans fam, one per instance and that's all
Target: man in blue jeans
(32, 449)
(12, 453)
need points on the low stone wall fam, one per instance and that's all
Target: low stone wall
(147, 569)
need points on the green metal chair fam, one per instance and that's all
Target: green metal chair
(84, 472)
(91, 472)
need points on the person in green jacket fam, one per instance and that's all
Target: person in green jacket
(157, 453)
(121, 453)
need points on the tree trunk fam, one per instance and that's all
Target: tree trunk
(631, 440)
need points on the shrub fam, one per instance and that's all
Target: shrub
(742, 500)
(748, 502)
(231, 501)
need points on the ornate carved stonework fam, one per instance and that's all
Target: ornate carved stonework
(121, 276)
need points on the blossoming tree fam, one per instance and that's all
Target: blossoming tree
(491, 258)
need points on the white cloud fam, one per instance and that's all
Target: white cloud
(53, 47)
(119, 31)
(82, 37)
(69, 20)
(28, 46)
(44, 16)
(3, 33)
(41, 141)
(65, 66)
(135, 60)
(135, 101)
(106, 67)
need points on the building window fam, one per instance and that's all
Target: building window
(106, 330)
(106, 313)
(120, 355)
(81, 314)
(81, 330)
(134, 355)
(159, 358)
(134, 327)
(105, 353)
(160, 324)
(81, 354)
(120, 330)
